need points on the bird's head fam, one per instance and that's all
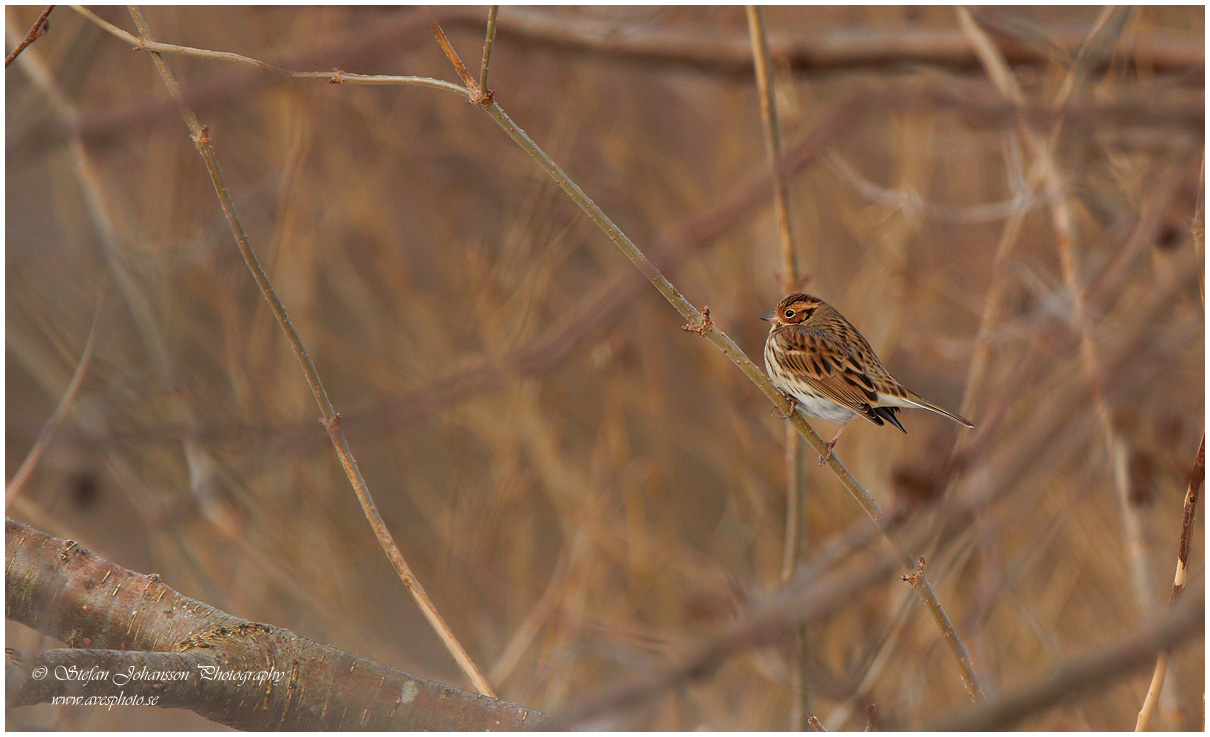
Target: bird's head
(793, 310)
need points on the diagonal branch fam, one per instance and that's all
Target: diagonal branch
(724, 343)
(36, 31)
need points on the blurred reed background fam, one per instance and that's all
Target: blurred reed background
(582, 487)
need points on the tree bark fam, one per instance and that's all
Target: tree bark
(145, 640)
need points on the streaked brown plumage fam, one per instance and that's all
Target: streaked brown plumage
(822, 363)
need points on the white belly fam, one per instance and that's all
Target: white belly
(810, 402)
(819, 406)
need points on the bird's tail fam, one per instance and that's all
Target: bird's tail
(922, 404)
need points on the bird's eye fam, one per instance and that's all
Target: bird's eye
(789, 313)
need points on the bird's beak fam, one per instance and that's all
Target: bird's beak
(769, 317)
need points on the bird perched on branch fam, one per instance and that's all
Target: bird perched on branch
(828, 370)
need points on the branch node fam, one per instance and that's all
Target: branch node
(915, 576)
(40, 28)
(337, 77)
(704, 324)
(331, 424)
(203, 136)
(475, 95)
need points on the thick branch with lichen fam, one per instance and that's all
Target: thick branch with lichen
(114, 618)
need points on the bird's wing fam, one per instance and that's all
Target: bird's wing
(826, 365)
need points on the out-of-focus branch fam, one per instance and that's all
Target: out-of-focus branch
(13, 488)
(728, 52)
(101, 211)
(330, 419)
(699, 322)
(56, 587)
(1196, 479)
(584, 321)
(36, 31)
(806, 599)
(1067, 243)
(1182, 625)
(371, 41)
(1198, 226)
(1097, 45)
(772, 128)
(796, 476)
(911, 201)
(1130, 107)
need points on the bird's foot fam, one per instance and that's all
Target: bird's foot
(793, 405)
(824, 458)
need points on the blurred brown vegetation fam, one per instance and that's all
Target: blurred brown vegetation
(582, 487)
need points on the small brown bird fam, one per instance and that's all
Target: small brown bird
(828, 369)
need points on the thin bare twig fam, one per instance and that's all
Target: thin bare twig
(477, 94)
(36, 31)
(729, 348)
(48, 430)
(335, 76)
(1196, 479)
(330, 420)
(488, 41)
